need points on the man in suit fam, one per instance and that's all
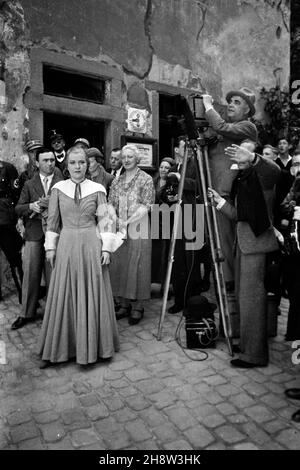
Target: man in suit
(255, 236)
(33, 207)
(284, 161)
(236, 128)
(116, 168)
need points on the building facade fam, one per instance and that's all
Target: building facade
(109, 70)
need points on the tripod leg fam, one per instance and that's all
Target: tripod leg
(172, 245)
(215, 246)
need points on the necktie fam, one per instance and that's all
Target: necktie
(114, 172)
(46, 185)
(77, 195)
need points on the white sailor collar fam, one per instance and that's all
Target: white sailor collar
(87, 188)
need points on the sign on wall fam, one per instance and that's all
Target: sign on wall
(137, 120)
(147, 148)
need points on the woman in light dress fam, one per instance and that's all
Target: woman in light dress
(79, 320)
(132, 196)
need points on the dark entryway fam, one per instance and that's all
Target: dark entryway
(169, 128)
(72, 128)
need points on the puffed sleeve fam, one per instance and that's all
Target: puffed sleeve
(53, 222)
(106, 228)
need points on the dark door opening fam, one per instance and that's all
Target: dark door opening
(168, 125)
(72, 128)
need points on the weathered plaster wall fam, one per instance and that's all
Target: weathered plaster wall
(14, 57)
(212, 45)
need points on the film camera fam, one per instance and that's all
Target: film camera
(172, 183)
(186, 120)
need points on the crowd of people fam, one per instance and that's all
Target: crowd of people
(79, 235)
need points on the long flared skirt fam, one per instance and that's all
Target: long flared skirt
(79, 320)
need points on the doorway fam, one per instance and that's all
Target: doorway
(72, 128)
(169, 126)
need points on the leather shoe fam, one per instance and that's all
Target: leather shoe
(242, 364)
(135, 316)
(19, 323)
(123, 312)
(293, 393)
(175, 309)
(296, 416)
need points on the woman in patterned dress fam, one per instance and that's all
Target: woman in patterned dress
(132, 195)
(79, 320)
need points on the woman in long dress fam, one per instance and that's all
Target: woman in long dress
(132, 196)
(79, 320)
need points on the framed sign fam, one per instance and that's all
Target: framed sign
(147, 148)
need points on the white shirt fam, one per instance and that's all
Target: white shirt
(118, 172)
(49, 180)
(59, 158)
(285, 162)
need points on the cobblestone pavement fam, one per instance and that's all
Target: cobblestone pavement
(151, 396)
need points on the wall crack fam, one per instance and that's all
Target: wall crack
(147, 29)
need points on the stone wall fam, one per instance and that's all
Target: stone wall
(212, 45)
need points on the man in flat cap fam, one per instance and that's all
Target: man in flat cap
(232, 130)
(97, 173)
(58, 144)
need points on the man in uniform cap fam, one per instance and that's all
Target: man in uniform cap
(83, 143)
(58, 144)
(30, 147)
(232, 130)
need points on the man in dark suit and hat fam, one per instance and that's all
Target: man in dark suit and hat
(58, 144)
(33, 207)
(236, 128)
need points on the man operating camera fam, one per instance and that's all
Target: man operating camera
(232, 130)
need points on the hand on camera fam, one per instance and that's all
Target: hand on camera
(207, 102)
